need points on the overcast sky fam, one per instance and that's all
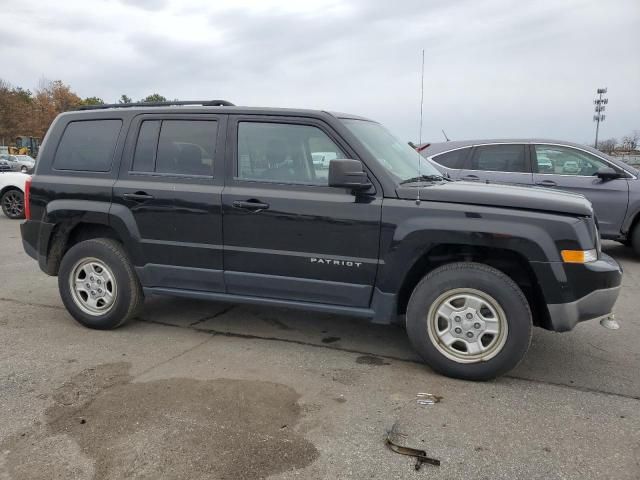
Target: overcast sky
(493, 68)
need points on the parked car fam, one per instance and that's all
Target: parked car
(12, 188)
(611, 185)
(19, 163)
(467, 267)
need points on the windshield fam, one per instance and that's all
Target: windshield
(396, 156)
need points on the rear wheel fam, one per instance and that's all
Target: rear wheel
(469, 320)
(13, 204)
(634, 242)
(98, 284)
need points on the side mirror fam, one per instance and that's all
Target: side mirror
(346, 173)
(607, 173)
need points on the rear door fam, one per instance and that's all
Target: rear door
(287, 234)
(499, 163)
(169, 190)
(568, 168)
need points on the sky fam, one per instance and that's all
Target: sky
(493, 69)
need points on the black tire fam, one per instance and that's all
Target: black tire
(24, 169)
(634, 242)
(129, 296)
(13, 203)
(489, 281)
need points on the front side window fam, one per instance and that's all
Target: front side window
(285, 153)
(558, 160)
(88, 146)
(176, 147)
(500, 158)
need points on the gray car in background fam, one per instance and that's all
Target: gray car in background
(612, 186)
(19, 163)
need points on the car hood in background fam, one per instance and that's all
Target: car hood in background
(498, 195)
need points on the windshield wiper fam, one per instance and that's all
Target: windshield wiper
(425, 178)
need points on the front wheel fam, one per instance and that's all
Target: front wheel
(469, 320)
(98, 284)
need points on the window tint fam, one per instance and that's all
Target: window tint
(551, 159)
(499, 158)
(184, 147)
(452, 159)
(285, 153)
(145, 155)
(88, 145)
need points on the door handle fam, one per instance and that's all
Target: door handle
(137, 196)
(547, 183)
(472, 178)
(252, 205)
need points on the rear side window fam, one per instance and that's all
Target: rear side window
(182, 147)
(453, 159)
(500, 158)
(88, 146)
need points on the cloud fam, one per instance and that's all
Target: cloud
(492, 69)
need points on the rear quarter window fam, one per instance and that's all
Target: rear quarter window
(452, 159)
(88, 146)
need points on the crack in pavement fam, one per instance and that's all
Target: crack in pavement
(249, 336)
(222, 312)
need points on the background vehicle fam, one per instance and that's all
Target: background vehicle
(612, 186)
(12, 188)
(123, 205)
(19, 163)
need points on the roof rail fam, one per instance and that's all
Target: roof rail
(204, 103)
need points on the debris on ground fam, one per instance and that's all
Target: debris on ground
(392, 441)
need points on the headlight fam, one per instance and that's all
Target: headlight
(579, 256)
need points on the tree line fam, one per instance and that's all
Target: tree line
(23, 112)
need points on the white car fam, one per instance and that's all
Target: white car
(12, 185)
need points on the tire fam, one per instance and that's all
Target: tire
(499, 312)
(634, 242)
(109, 275)
(13, 204)
(24, 169)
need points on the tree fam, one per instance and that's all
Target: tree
(630, 141)
(124, 99)
(607, 146)
(93, 101)
(154, 97)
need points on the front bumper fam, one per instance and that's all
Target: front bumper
(605, 278)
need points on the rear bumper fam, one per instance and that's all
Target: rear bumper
(35, 241)
(604, 278)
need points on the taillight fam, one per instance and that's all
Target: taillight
(27, 195)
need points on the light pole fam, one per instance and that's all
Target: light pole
(599, 109)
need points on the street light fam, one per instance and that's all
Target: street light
(599, 109)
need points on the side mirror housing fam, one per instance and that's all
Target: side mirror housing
(346, 173)
(607, 173)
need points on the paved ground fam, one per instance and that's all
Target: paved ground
(204, 390)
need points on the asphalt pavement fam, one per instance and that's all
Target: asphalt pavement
(202, 390)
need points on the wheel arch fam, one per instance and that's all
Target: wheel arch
(510, 262)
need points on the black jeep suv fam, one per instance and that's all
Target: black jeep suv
(212, 201)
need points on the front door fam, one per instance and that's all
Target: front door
(567, 168)
(170, 186)
(287, 234)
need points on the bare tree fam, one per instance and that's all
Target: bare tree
(630, 141)
(607, 146)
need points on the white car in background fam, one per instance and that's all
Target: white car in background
(12, 186)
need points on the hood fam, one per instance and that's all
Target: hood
(499, 195)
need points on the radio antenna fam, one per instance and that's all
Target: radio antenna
(420, 132)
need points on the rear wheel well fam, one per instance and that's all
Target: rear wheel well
(511, 263)
(65, 236)
(8, 188)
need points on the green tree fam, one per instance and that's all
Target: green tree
(154, 97)
(93, 101)
(124, 99)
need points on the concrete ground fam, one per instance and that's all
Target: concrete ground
(208, 390)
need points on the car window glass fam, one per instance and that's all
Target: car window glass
(88, 145)
(145, 153)
(499, 158)
(284, 153)
(186, 147)
(452, 159)
(552, 159)
(183, 147)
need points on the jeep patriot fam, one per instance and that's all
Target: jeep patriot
(209, 200)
